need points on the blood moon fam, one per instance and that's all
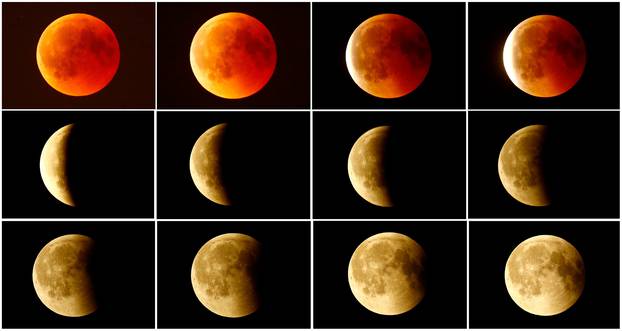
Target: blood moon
(233, 55)
(544, 56)
(388, 56)
(78, 54)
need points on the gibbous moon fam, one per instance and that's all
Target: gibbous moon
(388, 56)
(386, 273)
(545, 275)
(233, 55)
(61, 276)
(366, 166)
(223, 275)
(521, 168)
(53, 165)
(78, 54)
(205, 165)
(544, 56)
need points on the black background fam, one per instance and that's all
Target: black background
(429, 165)
(491, 23)
(583, 149)
(133, 86)
(288, 23)
(284, 276)
(444, 25)
(268, 159)
(123, 274)
(491, 244)
(110, 164)
(444, 304)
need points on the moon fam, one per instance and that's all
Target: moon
(233, 55)
(366, 166)
(521, 168)
(545, 275)
(224, 275)
(61, 276)
(386, 273)
(205, 165)
(388, 56)
(53, 165)
(78, 54)
(544, 56)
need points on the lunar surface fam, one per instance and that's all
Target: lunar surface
(544, 56)
(53, 165)
(78, 54)
(61, 276)
(386, 273)
(521, 168)
(366, 166)
(205, 165)
(388, 56)
(545, 275)
(233, 55)
(224, 275)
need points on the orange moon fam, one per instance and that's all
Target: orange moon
(233, 55)
(544, 56)
(388, 56)
(78, 54)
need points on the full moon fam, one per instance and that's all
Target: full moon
(386, 273)
(61, 276)
(233, 55)
(224, 272)
(388, 56)
(366, 167)
(205, 165)
(545, 275)
(521, 168)
(78, 54)
(544, 56)
(53, 165)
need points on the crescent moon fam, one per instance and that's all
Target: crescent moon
(53, 165)
(205, 165)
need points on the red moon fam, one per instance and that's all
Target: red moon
(233, 55)
(388, 56)
(544, 56)
(78, 54)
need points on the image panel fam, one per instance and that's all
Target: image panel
(389, 165)
(78, 55)
(526, 164)
(544, 274)
(78, 274)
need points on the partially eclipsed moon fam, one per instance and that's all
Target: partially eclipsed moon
(53, 165)
(366, 166)
(61, 276)
(224, 275)
(386, 273)
(544, 275)
(205, 165)
(544, 56)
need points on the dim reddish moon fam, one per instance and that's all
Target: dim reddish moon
(544, 56)
(78, 54)
(233, 55)
(388, 56)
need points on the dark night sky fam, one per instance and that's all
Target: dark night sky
(288, 23)
(283, 283)
(134, 83)
(444, 304)
(584, 164)
(429, 167)
(110, 164)
(267, 157)
(491, 243)
(444, 25)
(123, 269)
(491, 23)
